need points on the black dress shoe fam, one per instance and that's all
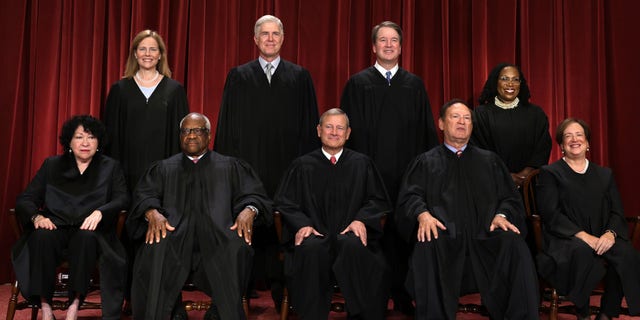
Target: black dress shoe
(212, 313)
(404, 306)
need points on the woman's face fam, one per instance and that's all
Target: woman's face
(83, 144)
(148, 53)
(574, 141)
(508, 84)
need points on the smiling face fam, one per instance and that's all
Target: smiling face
(508, 84)
(456, 125)
(194, 142)
(148, 53)
(334, 132)
(387, 46)
(574, 141)
(269, 40)
(83, 144)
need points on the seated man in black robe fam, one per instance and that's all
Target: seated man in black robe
(195, 211)
(332, 201)
(461, 205)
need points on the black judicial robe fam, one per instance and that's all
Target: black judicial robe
(267, 125)
(329, 197)
(202, 202)
(520, 136)
(141, 131)
(391, 124)
(570, 202)
(465, 194)
(58, 191)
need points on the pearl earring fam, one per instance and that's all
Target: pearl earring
(587, 148)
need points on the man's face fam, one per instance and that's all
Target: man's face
(194, 142)
(456, 125)
(269, 40)
(333, 132)
(387, 46)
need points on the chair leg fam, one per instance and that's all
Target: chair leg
(13, 300)
(284, 307)
(553, 308)
(245, 306)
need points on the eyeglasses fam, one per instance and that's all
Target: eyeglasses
(507, 79)
(196, 131)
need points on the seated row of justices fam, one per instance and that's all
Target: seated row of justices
(196, 210)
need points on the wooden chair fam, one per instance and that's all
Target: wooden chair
(60, 290)
(548, 292)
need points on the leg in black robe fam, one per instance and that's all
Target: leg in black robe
(360, 273)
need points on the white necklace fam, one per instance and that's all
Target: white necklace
(152, 80)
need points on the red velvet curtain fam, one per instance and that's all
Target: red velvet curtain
(60, 58)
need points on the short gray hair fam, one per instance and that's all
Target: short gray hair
(334, 112)
(267, 18)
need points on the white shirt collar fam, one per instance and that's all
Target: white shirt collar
(274, 63)
(337, 155)
(383, 71)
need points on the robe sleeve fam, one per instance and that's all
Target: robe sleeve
(350, 102)
(412, 199)
(481, 137)
(376, 205)
(549, 205)
(224, 141)
(542, 148)
(31, 200)
(179, 110)
(509, 199)
(250, 191)
(309, 117)
(119, 198)
(111, 118)
(617, 221)
(148, 195)
(288, 200)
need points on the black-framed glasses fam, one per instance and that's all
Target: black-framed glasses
(197, 131)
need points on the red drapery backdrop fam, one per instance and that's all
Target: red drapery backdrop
(61, 56)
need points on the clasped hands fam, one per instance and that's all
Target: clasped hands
(90, 223)
(357, 227)
(600, 244)
(428, 226)
(159, 225)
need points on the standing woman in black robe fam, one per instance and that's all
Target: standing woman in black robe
(72, 206)
(507, 124)
(585, 232)
(144, 108)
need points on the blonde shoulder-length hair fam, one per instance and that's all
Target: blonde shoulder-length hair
(132, 63)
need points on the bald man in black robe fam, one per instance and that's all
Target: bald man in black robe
(461, 205)
(332, 201)
(195, 211)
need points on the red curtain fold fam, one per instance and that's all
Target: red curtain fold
(61, 57)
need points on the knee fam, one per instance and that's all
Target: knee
(312, 245)
(42, 236)
(350, 243)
